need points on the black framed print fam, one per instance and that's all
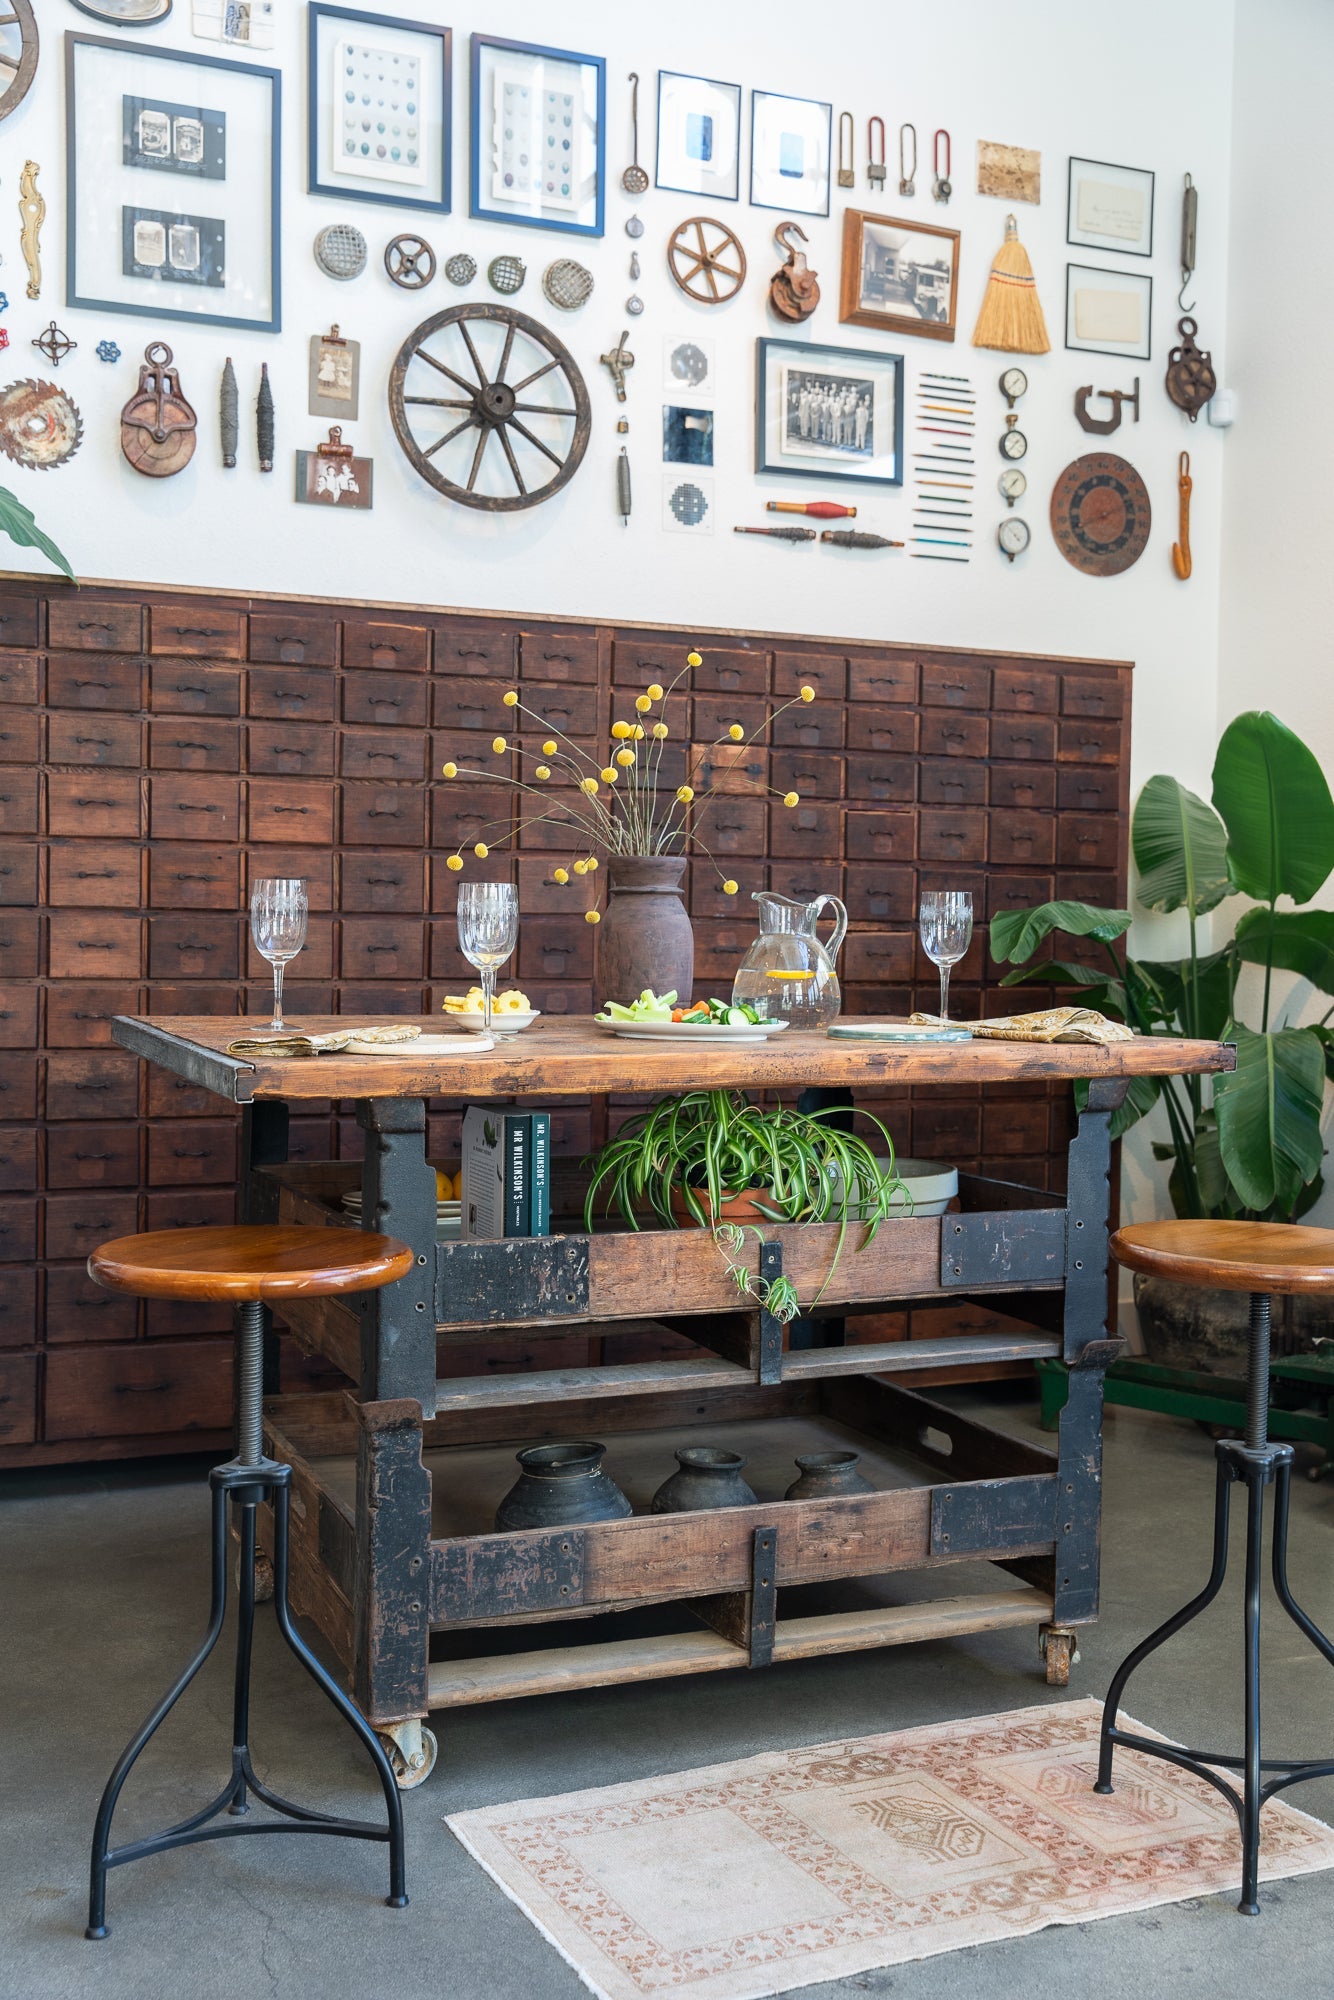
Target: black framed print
(828, 412)
(538, 136)
(1110, 208)
(1108, 312)
(790, 138)
(173, 205)
(378, 124)
(699, 136)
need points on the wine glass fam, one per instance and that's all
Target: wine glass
(488, 932)
(945, 922)
(278, 914)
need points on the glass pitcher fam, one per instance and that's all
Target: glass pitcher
(788, 973)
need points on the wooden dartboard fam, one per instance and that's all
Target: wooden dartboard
(1100, 514)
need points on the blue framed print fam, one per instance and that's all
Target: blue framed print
(538, 136)
(789, 153)
(699, 136)
(828, 412)
(378, 124)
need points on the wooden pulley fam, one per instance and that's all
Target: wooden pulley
(794, 289)
(157, 425)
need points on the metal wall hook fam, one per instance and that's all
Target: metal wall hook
(847, 174)
(907, 174)
(875, 162)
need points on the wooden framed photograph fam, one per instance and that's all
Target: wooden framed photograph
(1110, 208)
(828, 412)
(699, 136)
(901, 276)
(537, 136)
(378, 124)
(789, 153)
(1108, 312)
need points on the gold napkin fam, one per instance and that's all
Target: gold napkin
(283, 1043)
(1051, 1024)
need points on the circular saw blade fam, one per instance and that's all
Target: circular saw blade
(40, 425)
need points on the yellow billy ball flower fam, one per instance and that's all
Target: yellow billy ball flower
(481, 850)
(548, 749)
(736, 732)
(808, 694)
(660, 730)
(637, 733)
(791, 799)
(454, 862)
(609, 774)
(581, 868)
(542, 771)
(561, 875)
(592, 916)
(685, 794)
(450, 770)
(620, 730)
(730, 888)
(499, 745)
(591, 865)
(510, 698)
(654, 691)
(625, 758)
(694, 659)
(588, 785)
(643, 704)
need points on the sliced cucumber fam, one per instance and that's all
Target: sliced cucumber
(739, 1017)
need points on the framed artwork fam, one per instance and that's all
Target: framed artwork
(378, 117)
(1108, 312)
(538, 136)
(172, 184)
(902, 276)
(789, 153)
(246, 22)
(828, 412)
(699, 136)
(1110, 208)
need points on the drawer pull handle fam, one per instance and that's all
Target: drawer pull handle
(189, 1153)
(179, 745)
(471, 653)
(377, 950)
(102, 742)
(385, 701)
(298, 810)
(384, 812)
(93, 625)
(568, 658)
(1017, 738)
(95, 875)
(382, 756)
(94, 1084)
(384, 881)
(92, 684)
(290, 694)
(196, 631)
(182, 876)
(92, 1156)
(191, 806)
(108, 803)
(136, 1388)
(183, 688)
(188, 944)
(93, 944)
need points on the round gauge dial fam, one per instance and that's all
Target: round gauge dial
(1014, 536)
(1013, 484)
(1100, 514)
(1014, 384)
(1013, 445)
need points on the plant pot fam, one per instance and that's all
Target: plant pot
(827, 1475)
(644, 939)
(560, 1485)
(733, 1207)
(709, 1477)
(1186, 1326)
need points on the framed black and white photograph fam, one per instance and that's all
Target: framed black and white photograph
(1108, 312)
(789, 153)
(828, 412)
(900, 276)
(378, 124)
(1110, 208)
(537, 131)
(172, 184)
(699, 136)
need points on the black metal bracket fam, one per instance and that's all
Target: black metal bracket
(523, 1278)
(763, 1596)
(508, 1576)
(1020, 1246)
(993, 1516)
(398, 1198)
(771, 1329)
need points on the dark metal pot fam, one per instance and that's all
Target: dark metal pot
(1189, 1326)
(827, 1475)
(560, 1485)
(709, 1477)
(644, 939)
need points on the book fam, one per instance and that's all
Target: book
(506, 1173)
(540, 1223)
(483, 1211)
(518, 1198)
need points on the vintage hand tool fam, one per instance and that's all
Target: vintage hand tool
(941, 190)
(618, 363)
(907, 174)
(780, 534)
(623, 486)
(824, 510)
(634, 180)
(875, 166)
(1181, 547)
(852, 538)
(1104, 426)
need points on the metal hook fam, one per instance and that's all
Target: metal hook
(1190, 208)
(875, 163)
(780, 238)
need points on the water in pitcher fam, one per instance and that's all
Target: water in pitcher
(788, 973)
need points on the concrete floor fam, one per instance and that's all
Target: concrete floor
(102, 1588)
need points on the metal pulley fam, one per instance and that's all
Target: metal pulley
(157, 425)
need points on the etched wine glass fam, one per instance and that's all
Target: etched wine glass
(279, 911)
(945, 922)
(488, 932)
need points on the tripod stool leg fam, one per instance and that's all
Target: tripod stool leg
(1250, 1816)
(1282, 1588)
(245, 1634)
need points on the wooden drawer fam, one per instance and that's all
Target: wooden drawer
(1020, 739)
(291, 697)
(289, 749)
(175, 1319)
(315, 870)
(715, 715)
(378, 753)
(18, 676)
(879, 895)
(18, 944)
(827, 673)
(805, 829)
(946, 684)
(953, 836)
(191, 1208)
(92, 1156)
(464, 814)
(1029, 786)
(566, 1000)
(75, 681)
(383, 815)
(192, 947)
(566, 711)
(1093, 694)
(949, 734)
(103, 739)
(815, 725)
(371, 643)
(194, 807)
(730, 767)
(1022, 839)
(194, 878)
(735, 826)
(894, 731)
(881, 836)
(1083, 842)
(20, 621)
(300, 811)
(195, 632)
(555, 948)
(18, 801)
(946, 1128)
(18, 1159)
(886, 957)
(1014, 1126)
(181, 687)
(814, 774)
(539, 890)
(75, 1225)
(381, 998)
(952, 781)
(94, 804)
(20, 736)
(384, 700)
(292, 637)
(92, 1086)
(557, 656)
(18, 1399)
(18, 1017)
(93, 944)
(91, 624)
(1016, 892)
(482, 649)
(18, 1229)
(203, 1151)
(382, 882)
(139, 1391)
(892, 678)
(18, 1088)
(1089, 742)
(1088, 788)
(194, 745)
(381, 948)
(636, 663)
(18, 1308)
(719, 950)
(77, 1310)
(706, 889)
(79, 1016)
(18, 873)
(176, 1097)
(1030, 690)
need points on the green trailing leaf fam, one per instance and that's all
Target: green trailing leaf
(17, 522)
(1180, 849)
(1016, 934)
(1300, 941)
(1268, 1114)
(1276, 804)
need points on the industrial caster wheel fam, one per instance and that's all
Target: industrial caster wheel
(1057, 1648)
(263, 1574)
(412, 1749)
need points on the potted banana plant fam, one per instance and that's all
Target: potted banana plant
(18, 523)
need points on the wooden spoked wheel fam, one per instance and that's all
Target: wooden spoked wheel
(707, 260)
(511, 426)
(18, 52)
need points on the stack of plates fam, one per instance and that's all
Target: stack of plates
(448, 1214)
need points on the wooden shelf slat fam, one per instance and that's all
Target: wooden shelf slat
(903, 1356)
(555, 1385)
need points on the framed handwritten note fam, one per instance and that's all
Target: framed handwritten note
(1110, 208)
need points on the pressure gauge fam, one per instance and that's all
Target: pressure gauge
(1013, 484)
(1013, 536)
(1013, 384)
(1013, 445)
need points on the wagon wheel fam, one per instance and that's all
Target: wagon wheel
(542, 432)
(410, 262)
(702, 253)
(18, 53)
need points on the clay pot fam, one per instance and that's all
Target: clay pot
(827, 1475)
(644, 939)
(709, 1477)
(733, 1207)
(561, 1485)
(1190, 1326)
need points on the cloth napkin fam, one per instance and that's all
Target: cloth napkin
(286, 1044)
(1051, 1024)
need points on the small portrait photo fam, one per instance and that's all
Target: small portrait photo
(173, 138)
(180, 249)
(902, 276)
(828, 415)
(687, 435)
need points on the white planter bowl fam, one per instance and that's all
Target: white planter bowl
(930, 1187)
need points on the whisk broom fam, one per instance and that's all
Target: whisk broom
(1011, 316)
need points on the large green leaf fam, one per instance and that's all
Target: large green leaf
(1277, 808)
(17, 522)
(1298, 940)
(1180, 848)
(1016, 934)
(1269, 1115)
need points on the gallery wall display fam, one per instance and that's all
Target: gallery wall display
(173, 205)
(537, 133)
(1110, 208)
(378, 123)
(699, 136)
(901, 276)
(790, 140)
(828, 412)
(1108, 312)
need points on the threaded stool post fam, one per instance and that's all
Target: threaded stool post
(1257, 1381)
(250, 1382)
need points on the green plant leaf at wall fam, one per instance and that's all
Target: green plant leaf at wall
(1277, 808)
(1016, 934)
(1268, 1113)
(17, 522)
(1180, 848)
(1299, 941)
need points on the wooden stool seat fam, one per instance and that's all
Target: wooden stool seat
(1230, 1256)
(251, 1262)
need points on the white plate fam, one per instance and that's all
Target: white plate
(422, 1045)
(501, 1024)
(681, 1031)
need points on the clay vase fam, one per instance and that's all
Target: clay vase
(827, 1475)
(561, 1485)
(709, 1477)
(644, 939)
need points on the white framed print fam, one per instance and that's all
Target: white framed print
(828, 412)
(173, 205)
(790, 139)
(1108, 312)
(378, 108)
(699, 136)
(1110, 208)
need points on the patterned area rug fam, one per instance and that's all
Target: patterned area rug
(742, 1880)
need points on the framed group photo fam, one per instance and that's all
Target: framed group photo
(828, 412)
(699, 136)
(899, 276)
(790, 138)
(537, 134)
(378, 108)
(173, 199)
